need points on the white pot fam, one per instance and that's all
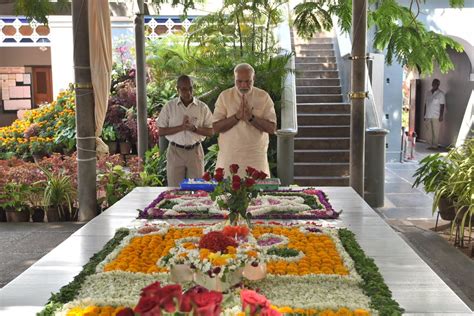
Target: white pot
(180, 273)
(255, 273)
(215, 283)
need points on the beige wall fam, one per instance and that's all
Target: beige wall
(24, 56)
(458, 88)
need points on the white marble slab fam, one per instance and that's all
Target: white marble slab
(414, 285)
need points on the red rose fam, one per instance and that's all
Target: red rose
(235, 186)
(255, 174)
(151, 289)
(187, 300)
(145, 304)
(236, 178)
(250, 171)
(262, 175)
(168, 296)
(219, 177)
(208, 303)
(234, 168)
(254, 301)
(206, 176)
(249, 182)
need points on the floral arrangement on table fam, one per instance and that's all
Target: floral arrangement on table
(235, 193)
(311, 270)
(299, 204)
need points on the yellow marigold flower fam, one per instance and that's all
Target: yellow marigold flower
(231, 250)
(285, 310)
(361, 312)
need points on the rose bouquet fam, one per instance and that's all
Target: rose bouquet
(234, 192)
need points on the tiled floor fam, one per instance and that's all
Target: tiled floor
(414, 285)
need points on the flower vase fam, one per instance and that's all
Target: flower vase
(255, 273)
(180, 273)
(216, 283)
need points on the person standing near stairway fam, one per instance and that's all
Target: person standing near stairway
(185, 121)
(244, 116)
(434, 113)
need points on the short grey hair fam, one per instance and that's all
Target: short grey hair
(244, 66)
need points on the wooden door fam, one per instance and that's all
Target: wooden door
(42, 85)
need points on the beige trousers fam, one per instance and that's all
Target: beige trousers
(182, 163)
(433, 126)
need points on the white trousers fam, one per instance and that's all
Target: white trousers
(433, 126)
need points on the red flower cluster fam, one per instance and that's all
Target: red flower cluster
(156, 300)
(216, 241)
(256, 304)
(218, 176)
(239, 231)
(255, 174)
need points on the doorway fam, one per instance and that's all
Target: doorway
(42, 85)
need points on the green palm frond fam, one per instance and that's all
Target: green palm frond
(312, 17)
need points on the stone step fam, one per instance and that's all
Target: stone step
(316, 53)
(323, 119)
(317, 82)
(315, 59)
(321, 169)
(324, 155)
(323, 34)
(324, 131)
(322, 181)
(318, 90)
(318, 98)
(318, 40)
(322, 143)
(324, 108)
(313, 46)
(317, 74)
(316, 66)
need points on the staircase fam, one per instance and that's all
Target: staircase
(323, 139)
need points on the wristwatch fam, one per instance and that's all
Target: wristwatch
(251, 119)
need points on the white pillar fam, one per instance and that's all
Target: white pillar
(61, 52)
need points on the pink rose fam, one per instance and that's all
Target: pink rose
(254, 301)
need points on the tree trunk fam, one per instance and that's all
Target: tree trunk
(359, 31)
(141, 82)
(85, 121)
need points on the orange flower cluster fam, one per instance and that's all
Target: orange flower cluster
(321, 256)
(94, 311)
(142, 253)
(327, 312)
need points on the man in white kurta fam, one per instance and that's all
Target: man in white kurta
(185, 121)
(434, 113)
(244, 116)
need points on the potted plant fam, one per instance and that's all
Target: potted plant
(35, 198)
(59, 196)
(460, 188)
(109, 135)
(433, 173)
(124, 137)
(14, 202)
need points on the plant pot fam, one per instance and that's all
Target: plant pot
(14, 216)
(180, 273)
(52, 214)
(3, 215)
(38, 215)
(217, 284)
(125, 148)
(447, 210)
(255, 273)
(112, 147)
